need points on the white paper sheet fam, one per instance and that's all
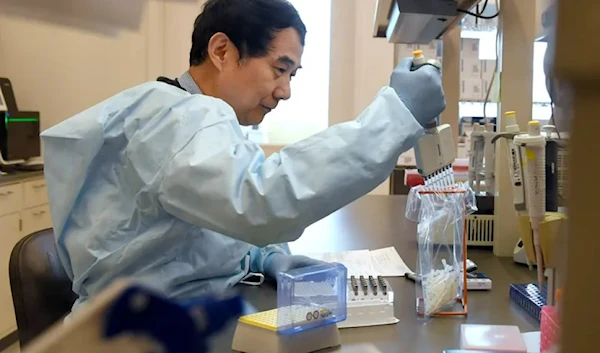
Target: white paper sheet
(532, 341)
(388, 263)
(358, 262)
(381, 262)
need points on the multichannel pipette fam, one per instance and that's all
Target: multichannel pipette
(435, 151)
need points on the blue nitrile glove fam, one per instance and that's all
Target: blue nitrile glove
(276, 263)
(420, 90)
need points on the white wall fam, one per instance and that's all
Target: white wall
(374, 61)
(360, 64)
(60, 64)
(179, 19)
(63, 58)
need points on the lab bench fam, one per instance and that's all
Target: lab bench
(24, 209)
(374, 222)
(371, 222)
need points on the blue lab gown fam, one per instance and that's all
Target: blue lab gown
(161, 185)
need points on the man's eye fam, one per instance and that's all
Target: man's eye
(281, 70)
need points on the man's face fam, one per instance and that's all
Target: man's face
(254, 86)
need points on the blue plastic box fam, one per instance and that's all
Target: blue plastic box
(311, 297)
(529, 298)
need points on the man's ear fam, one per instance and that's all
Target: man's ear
(221, 50)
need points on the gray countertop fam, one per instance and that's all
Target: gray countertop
(17, 176)
(378, 221)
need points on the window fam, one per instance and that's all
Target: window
(482, 59)
(306, 113)
(486, 36)
(541, 100)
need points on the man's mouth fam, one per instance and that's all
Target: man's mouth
(267, 109)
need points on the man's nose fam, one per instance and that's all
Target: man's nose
(283, 91)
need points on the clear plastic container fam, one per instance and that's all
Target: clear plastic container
(441, 257)
(311, 297)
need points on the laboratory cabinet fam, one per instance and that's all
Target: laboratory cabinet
(24, 210)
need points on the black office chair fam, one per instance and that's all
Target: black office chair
(41, 290)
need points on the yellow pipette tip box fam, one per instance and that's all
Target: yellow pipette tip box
(310, 303)
(265, 319)
(276, 319)
(259, 332)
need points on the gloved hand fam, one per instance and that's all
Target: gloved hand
(420, 90)
(276, 263)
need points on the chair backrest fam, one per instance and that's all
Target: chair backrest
(41, 290)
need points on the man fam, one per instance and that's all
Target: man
(158, 183)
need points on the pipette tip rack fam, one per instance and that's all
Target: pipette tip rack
(529, 298)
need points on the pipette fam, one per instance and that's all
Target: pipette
(489, 154)
(534, 145)
(514, 161)
(476, 155)
(435, 151)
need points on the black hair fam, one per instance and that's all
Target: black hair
(250, 24)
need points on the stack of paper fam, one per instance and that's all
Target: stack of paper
(382, 262)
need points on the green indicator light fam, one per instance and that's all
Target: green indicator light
(22, 120)
(8, 119)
